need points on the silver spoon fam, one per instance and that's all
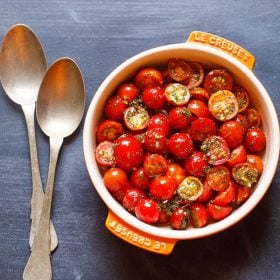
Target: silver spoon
(22, 68)
(60, 108)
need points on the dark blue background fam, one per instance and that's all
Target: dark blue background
(100, 35)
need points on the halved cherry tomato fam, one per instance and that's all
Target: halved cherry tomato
(216, 150)
(166, 77)
(226, 196)
(154, 164)
(148, 77)
(218, 79)
(179, 117)
(238, 155)
(199, 108)
(175, 171)
(139, 179)
(242, 97)
(109, 130)
(256, 161)
(198, 215)
(253, 117)
(127, 91)
(180, 145)
(178, 69)
(115, 107)
(136, 118)
(159, 121)
(218, 178)
(245, 174)
(115, 179)
(217, 212)
(153, 97)
(223, 105)
(177, 94)
(199, 93)
(147, 210)
(190, 188)
(196, 76)
(242, 194)
(131, 198)
(155, 141)
(202, 128)
(206, 194)
(179, 218)
(104, 153)
(255, 140)
(163, 187)
(196, 164)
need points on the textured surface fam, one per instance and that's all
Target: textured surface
(100, 35)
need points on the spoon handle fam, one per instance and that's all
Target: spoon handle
(39, 263)
(37, 189)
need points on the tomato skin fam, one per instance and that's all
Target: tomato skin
(159, 121)
(199, 93)
(164, 217)
(179, 219)
(196, 76)
(147, 210)
(139, 179)
(218, 178)
(243, 121)
(108, 130)
(180, 145)
(242, 97)
(255, 140)
(242, 194)
(232, 132)
(226, 196)
(198, 215)
(176, 172)
(131, 198)
(148, 77)
(154, 164)
(115, 107)
(104, 153)
(202, 128)
(206, 193)
(256, 161)
(238, 155)
(178, 69)
(128, 152)
(253, 117)
(115, 179)
(179, 117)
(199, 108)
(153, 97)
(196, 164)
(217, 212)
(127, 92)
(163, 187)
(155, 141)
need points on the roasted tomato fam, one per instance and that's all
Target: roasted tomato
(163, 187)
(159, 121)
(242, 194)
(253, 117)
(115, 107)
(147, 210)
(178, 69)
(218, 178)
(242, 97)
(190, 188)
(153, 97)
(154, 164)
(139, 179)
(177, 94)
(148, 77)
(199, 108)
(217, 212)
(255, 140)
(180, 145)
(127, 92)
(199, 93)
(179, 117)
(206, 193)
(131, 198)
(238, 155)
(175, 171)
(179, 218)
(104, 153)
(256, 161)
(109, 130)
(245, 174)
(196, 164)
(227, 196)
(243, 121)
(202, 128)
(196, 76)
(115, 179)
(198, 215)
(136, 118)
(155, 141)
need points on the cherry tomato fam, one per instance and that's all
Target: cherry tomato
(242, 97)
(119, 194)
(176, 172)
(177, 94)
(179, 218)
(128, 152)
(166, 77)
(199, 108)
(164, 217)
(227, 196)
(147, 210)
(163, 187)
(190, 188)
(131, 198)
(245, 174)
(198, 215)
(206, 193)
(148, 77)
(242, 194)
(180, 145)
(139, 179)
(223, 105)
(159, 121)
(127, 92)
(115, 107)
(216, 150)
(155, 141)
(115, 179)
(196, 164)
(136, 118)
(196, 76)
(217, 212)
(256, 161)
(238, 155)
(154, 164)
(153, 97)
(243, 121)
(232, 132)
(255, 140)
(253, 117)
(179, 117)
(109, 130)
(218, 178)
(178, 69)
(104, 153)
(199, 93)
(218, 79)
(202, 128)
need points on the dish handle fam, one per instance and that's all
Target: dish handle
(224, 45)
(138, 238)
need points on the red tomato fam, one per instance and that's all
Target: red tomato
(256, 161)
(218, 178)
(153, 97)
(180, 145)
(253, 117)
(238, 155)
(147, 210)
(226, 196)
(154, 164)
(166, 77)
(242, 194)
(199, 93)
(139, 179)
(202, 128)
(163, 187)
(148, 77)
(255, 140)
(206, 193)
(198, 215)
(217, 212)
(119, 195)
(179, 117)
(216, 150)
(177, 94)
(115, 107)
(199, 108)
(232, 132)
(196, 76)
(218, 79)
(159, 121)
(155, 141)
(196, 164)
(104, 153)
(164, 217)
(136, 118)
(127, 92)
(178, 69)
(242, 97)
(245, 174)
(128, 152)
(179, 218)
(176, 172)
(243, 121)
(131, 198)
(115, 179)
(109, 130)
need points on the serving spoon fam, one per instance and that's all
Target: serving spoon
(22, 68)
(60, 108)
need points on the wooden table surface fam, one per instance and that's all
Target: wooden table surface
(100, 35)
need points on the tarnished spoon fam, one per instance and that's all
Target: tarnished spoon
(22, 68)
(60, 108)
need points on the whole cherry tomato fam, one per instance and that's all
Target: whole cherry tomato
(148, 77)
(179, 218)
(255, 140)
(154, 164)
(202, 128)
(218, 178)
(109, 130)
(196, 164)
(127, 92)
(243, 121)
(139, 179)
(175, 171)
(163, 187)
(159, 121)
(153, 97)
(155, 141)
(180, 145)
(131, 198)
(198, 215)
(179, 117)
(217, 212)
(147, 210)
(238, 155)
(115, 107)
(199, 108)
(115, 179)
